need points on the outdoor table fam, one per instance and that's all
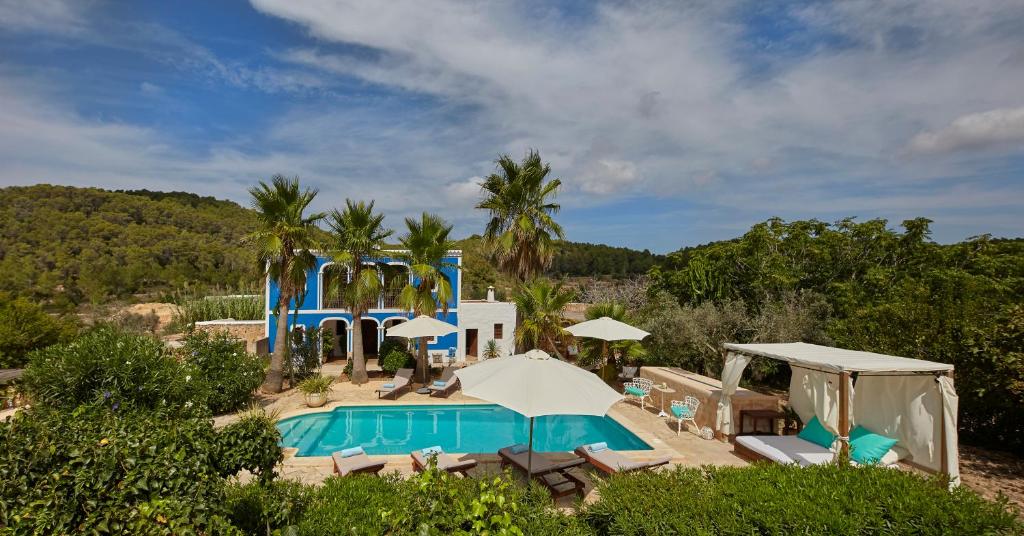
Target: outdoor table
(663, 389)
(759, 415)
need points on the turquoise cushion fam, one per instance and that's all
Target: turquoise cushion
(388, 386)
(817, 434)
(439, 383)
(635, 391)
(432, 451)
(518, 448)
(682, 412)
(597, 447)
(348, 453)
(867, 447)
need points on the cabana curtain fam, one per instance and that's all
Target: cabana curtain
(911, 400)
(813, 393)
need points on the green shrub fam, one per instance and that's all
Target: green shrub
(24, 327)
(776, 499)
(353, 505)
(251, 443)
(231, 373)
(316, 385)
(432, 503)
(395, 360)
(121, 369)
(390, 344)
(259, 509)
(93, 470)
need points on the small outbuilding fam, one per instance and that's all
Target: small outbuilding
(910, 400)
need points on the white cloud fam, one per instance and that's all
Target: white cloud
(606, 176)
(61, 16)
(993, 128)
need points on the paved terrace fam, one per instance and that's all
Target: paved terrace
(686, 449)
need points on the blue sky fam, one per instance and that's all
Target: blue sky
(670, 123)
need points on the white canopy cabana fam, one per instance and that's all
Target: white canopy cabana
(910, 400)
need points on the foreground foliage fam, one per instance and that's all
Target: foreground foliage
(866, 287)
(97, 470)
(777, 499)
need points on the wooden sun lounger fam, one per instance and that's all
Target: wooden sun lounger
(611, 462)
(451, 384)
(445, 462)
(360, 463)
(551, 474)
(402, 381)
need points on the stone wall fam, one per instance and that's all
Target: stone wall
(252, 332)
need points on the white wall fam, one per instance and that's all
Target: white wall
(482, 316)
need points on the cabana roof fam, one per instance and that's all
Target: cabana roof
(838, 360)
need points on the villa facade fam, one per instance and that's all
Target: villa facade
(477, 321)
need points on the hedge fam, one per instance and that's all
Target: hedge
(776, 499)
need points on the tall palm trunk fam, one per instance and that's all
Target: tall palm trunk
(421, 357)
(274, 381)
(359, 375)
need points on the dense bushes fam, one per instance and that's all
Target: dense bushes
(250, 443)
(120, 472)
(212, 373)
(431, 503)
(122, 369)
(222, 362)
(24, 327)
(776, 499)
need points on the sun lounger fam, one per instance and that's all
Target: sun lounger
(397, 386)
(445, 462)
(609, 461)
(450, 383)
(794, 450)
(552, 474)
(358, 463)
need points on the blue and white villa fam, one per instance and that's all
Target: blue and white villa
(478, 321)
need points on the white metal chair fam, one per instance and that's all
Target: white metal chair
(685, 410)
(638, 389)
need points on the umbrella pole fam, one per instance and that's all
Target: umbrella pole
(529, 457)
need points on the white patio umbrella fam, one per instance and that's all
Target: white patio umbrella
(607, 329)
(533, 384)
(421, 326)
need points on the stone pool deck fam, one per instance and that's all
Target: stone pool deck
(685, 449)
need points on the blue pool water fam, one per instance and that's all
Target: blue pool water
(462, 428)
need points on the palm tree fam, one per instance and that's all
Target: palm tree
(358, 234)
(541, 305)
(427, 244)
(284, 239)
(593, 350)
(521, 229)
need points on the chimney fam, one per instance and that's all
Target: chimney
(490, 294)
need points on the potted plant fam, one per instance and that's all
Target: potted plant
(316, 388)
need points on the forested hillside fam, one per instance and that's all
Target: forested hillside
(67, 246)
(864, 286)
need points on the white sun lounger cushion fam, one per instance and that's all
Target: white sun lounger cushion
(792, 449)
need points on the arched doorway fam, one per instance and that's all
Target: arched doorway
(339, 337)
(369, 332)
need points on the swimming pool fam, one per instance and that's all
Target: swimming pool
(472, 428)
